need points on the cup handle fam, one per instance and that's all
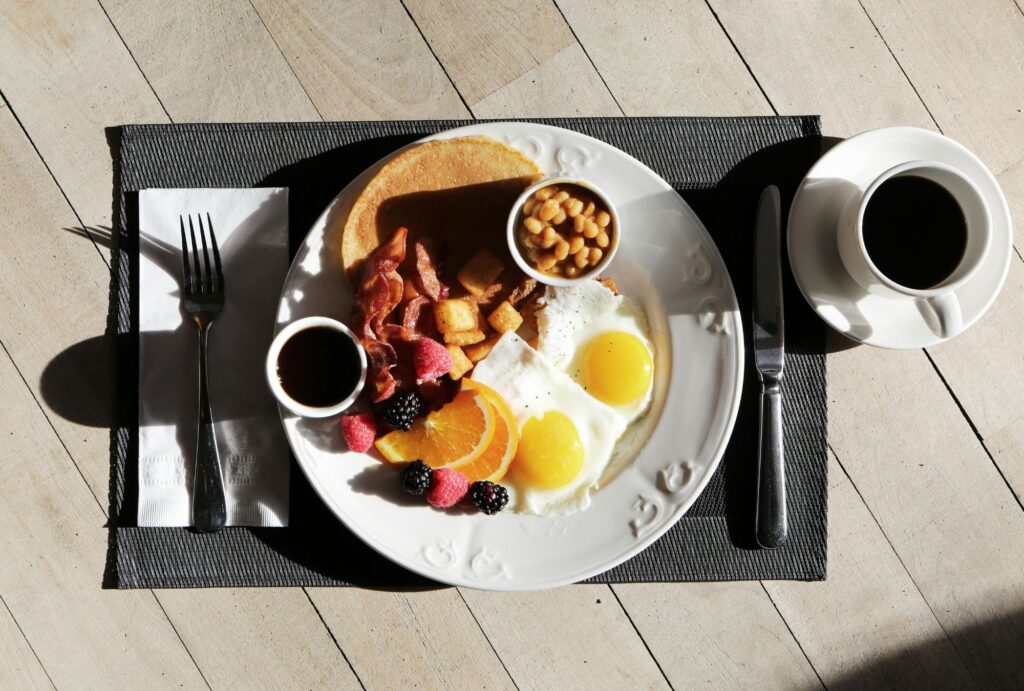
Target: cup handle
(942, 313)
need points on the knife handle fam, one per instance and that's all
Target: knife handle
(771, 527)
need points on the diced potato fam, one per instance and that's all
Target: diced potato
(478, 351)
(463, 338)
(609, 283)
(480, 272)
(455, 315)
(460, 363)
(505, 318)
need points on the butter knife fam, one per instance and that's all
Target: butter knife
(769, 358)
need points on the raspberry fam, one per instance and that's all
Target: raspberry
(400, 410)
(416, 478)
(430, 359)
(448, 487)
(359, 431)
(488, 497)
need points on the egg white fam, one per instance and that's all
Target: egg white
(532, 386)
(574, 315)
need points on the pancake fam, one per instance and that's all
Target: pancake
(459, 191)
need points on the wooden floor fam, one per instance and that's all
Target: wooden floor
(926, 469)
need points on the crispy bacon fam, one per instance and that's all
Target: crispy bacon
(381, 358)
(380, 291)
(427, 269)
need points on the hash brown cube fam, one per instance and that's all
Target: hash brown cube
(480, 272)
(505, 318)
(464, 338)
(460, 363)
(451, 316)
(478, 351)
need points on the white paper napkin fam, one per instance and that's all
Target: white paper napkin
(252, 233)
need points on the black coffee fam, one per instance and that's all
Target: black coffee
(914, 231)
(319, 367)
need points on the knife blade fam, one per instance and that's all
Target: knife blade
(770, 358)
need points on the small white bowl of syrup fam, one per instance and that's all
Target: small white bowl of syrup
(316, 367)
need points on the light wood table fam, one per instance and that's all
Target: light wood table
(926, 469)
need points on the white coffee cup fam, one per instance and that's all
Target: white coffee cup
(939, 303)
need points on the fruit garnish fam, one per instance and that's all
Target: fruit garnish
(493, 463)
(617, 368)
(488, 497)
(550, 452)
(358, 430)
(416, 478)
(447, 488)
(430, 359)
(400, 410)
(457, 433)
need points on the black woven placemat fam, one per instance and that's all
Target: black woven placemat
(719, 165)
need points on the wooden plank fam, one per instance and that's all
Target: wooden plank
(401, 640)
(720, 635)
(20, 668)
(67, 75)
(485, 45)
(939, 500)
(665, 58)
(262, 638)
(571, 638)
(361, 60)
(210, 61)
(969, 70)
(839, 68)
(52, 530)
(583, 93)
(866, 626)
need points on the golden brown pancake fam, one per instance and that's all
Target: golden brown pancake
(458, 190)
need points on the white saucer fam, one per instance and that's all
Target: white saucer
(814, 217)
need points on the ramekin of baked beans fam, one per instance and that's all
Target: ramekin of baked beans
(563, 230)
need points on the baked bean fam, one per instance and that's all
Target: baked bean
(590, 229)
(580, 259)
(548, 238)
(547, 210)
(589, 211)
(561, 250)
(577, 223)
(603, 218)
(533, 225)
(561, 196)
(595, 255)
(559, 218)
(546, 261)
(573, 207)
(529, 205)
(564, 230)
(576, 244)
(545, 193)
(602, 239)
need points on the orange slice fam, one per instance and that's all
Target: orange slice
(457, 433)
(493, 463)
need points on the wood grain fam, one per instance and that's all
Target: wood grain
(967, 65)
(571, 638)
(486, 45)
(361, 60)
(721, 635)
(866, 626)
(665, 58)
(938, 499)
(268, 638)
(401, 640)
(839, 68)
(579, 93)
(20, 668)
(210, 61)
(67, 75)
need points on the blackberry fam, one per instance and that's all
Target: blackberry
(400, 410)
(416, 478)
(488, 497)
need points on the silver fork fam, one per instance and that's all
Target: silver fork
(202, 295)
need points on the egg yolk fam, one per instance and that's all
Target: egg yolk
(550, 452)
(617, 368)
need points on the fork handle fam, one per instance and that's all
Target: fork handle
(208, 507)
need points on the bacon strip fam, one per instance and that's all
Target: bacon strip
(427, 266)
(380, 291)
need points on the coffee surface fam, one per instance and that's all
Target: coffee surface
(914, 231)
(318, 367)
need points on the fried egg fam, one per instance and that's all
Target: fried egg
(566, 435)
(602, 341)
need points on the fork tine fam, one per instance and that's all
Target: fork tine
(208, 276)
(218, 269)
(185, 271)
(200, 284)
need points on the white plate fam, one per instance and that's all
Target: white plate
(669, 263)
(831, 184)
